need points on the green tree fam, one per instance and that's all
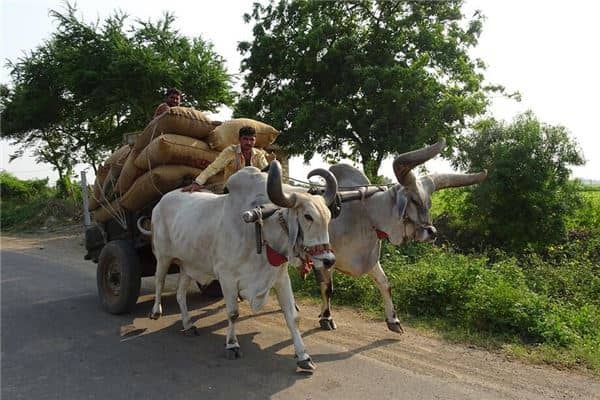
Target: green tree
(74, 96)
(527, 197)
(362, 79)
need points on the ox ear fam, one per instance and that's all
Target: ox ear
(401, 202)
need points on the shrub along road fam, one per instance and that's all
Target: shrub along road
(58, 344)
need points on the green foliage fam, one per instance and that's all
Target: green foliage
(39, 212)
(31, 204)
(527, 301)
(527, 198)
(362, 79)
(585, 221)
(12, 188)
(74, 96)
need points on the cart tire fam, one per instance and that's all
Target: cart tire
(118, 277)
(212, 290)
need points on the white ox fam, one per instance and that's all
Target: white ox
(203, 233)
(369, 214)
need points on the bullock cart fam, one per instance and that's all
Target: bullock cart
(169, 153)
(124, 256)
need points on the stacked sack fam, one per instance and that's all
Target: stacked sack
(175, 146)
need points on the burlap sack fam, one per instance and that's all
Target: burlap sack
(175, 149)
(227, 133)
(96, 192)
(118, 157)
(129, 173)
(180, 120)
(158, 181)
(105, 213)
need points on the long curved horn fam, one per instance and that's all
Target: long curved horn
(442, 181)
(332, 184)
(275, 188)
(405, 162)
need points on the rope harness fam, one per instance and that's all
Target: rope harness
(275, 258)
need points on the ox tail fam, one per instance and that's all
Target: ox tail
(141, 228)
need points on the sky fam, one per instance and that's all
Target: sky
(548, 51)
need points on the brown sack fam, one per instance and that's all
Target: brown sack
(96, 191)
(160, 180)
(180, 120)
(103, 214)
(129, 173)
(227, 133)
(175, 149)
(118, 157)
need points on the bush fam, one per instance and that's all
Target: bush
(551, 301)
(16, 189)
(30, 204)
(36, 213)
(500, 302)
(528, 198)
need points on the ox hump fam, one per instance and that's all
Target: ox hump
(347, 175)
(248, 183)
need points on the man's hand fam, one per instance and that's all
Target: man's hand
(161, 109)
(194, 187)
(203, 163)
(270, 157)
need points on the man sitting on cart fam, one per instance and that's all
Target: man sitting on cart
(232, 159)
(173, 99)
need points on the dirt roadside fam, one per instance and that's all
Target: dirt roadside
(413, 351)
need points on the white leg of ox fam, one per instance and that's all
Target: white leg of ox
(182, 287)
(162, 267)
(285, 296)
(383, 284)
(324, 279)
(230, 295)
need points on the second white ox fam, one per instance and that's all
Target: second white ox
(203, 233)
(370, 213)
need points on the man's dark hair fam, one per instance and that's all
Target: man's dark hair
(247, 131)
(173, 90)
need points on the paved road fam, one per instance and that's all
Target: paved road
(58, 344)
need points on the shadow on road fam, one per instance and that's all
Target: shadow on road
(57, 343)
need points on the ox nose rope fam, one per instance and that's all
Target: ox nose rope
(275, 258)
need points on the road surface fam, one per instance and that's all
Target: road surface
(57, 343)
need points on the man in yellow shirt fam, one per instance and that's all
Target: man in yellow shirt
(232, 159)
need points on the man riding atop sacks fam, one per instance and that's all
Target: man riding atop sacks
(172, 99)
(232, 159)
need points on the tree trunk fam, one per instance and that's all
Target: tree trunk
(371, 166)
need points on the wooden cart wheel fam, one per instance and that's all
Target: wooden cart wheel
(118, 277)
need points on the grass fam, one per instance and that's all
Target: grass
(543, 310)
(30, 215)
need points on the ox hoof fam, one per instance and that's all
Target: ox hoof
(306, 365)
(395, 327)
(233, 353)
(327, 324)
(154, 315)
(191, 331)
